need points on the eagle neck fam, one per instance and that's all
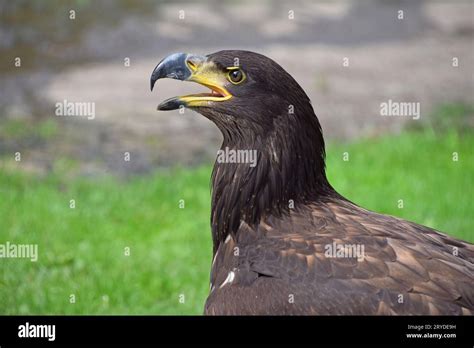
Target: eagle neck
(289, 170)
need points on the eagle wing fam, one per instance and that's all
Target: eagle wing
(291, 265)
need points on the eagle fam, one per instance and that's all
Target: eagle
(284, 241)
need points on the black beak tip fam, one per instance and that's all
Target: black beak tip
(170, 104)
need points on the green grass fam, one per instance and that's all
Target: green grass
(81, 250)
(19, 130)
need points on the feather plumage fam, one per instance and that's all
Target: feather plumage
(277, 253)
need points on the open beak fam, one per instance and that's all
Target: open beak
(190, 67)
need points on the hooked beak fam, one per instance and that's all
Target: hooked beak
(190, 67)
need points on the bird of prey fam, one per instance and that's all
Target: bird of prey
(284, 241)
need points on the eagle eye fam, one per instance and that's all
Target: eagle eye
(236, 76)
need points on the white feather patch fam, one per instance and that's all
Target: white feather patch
(229, 279)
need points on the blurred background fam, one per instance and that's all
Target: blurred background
(138, 239)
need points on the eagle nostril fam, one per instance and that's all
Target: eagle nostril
(193, 61)
(191, 65)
